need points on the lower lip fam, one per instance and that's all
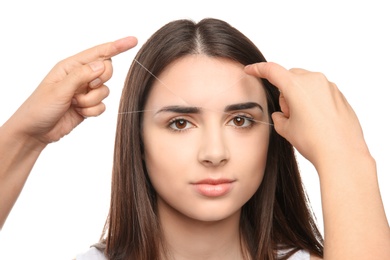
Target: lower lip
(210, 190)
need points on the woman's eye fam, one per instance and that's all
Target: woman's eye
(180, 124)
(241, 121)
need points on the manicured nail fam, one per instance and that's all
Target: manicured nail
(96, 65)
(95, 83)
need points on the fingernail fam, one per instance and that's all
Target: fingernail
(96, 65)
(94, 83)
(74, 101)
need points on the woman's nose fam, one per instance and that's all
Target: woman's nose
(213, 148)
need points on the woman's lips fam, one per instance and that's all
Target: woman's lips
(214, 187)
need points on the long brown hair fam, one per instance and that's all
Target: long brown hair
(278, 216)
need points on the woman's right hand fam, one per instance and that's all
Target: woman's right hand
(72, 90)
(319, 122)
(315, 117)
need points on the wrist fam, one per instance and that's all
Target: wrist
(343, 157)
(13, 139)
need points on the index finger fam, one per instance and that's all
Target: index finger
(273, 72)
(106, 50)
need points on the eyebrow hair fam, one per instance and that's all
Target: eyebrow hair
(242, 106)
(180, 109)
(196, 110)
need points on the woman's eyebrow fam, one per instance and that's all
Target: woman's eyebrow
(241, 106)
(180, 109)
(197, 110)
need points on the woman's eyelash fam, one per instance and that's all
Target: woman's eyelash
(241, 121)
(179, 124)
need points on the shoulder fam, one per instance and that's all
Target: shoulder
(91, 254)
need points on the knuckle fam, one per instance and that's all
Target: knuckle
(95, 110)
(106, 91)
(320, 76)
(99, 109)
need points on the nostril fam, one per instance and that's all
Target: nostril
(223, 162)
(208, 162)
(215, 162)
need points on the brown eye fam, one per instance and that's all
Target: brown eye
(180, 124)
(238, 121)
(241, 122)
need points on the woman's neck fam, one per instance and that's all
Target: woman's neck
(186, 238)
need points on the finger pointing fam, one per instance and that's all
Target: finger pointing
(105, 51)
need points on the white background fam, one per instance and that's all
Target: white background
(63, 206)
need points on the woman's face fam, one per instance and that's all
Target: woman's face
(205, 145)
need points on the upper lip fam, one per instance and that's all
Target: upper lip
(214, 181)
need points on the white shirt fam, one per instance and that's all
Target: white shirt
(92, 254)
(95, 254)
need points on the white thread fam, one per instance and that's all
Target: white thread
(133, 112)
(166, 86)
(159, 80)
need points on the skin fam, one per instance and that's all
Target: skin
(204, 144)
(72, 90)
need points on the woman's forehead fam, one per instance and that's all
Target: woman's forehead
(198, 68)
(199, 79)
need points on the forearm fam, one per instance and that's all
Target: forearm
(354, 218)
(18, 155)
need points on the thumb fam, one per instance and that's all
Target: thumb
(280, 123)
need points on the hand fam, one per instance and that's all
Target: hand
(316, 118)
(73, 89)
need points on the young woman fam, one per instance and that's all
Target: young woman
(204, 166)
(199, 170)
